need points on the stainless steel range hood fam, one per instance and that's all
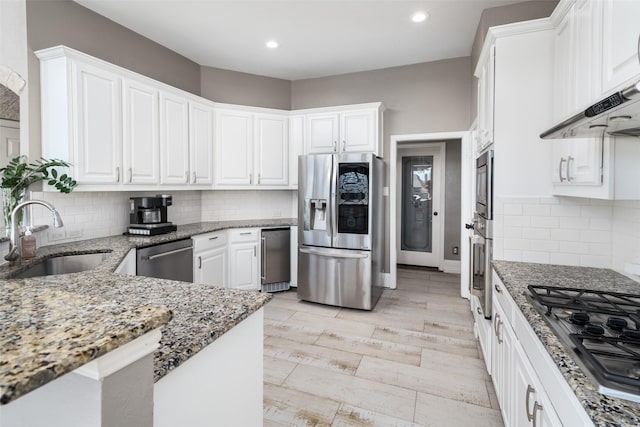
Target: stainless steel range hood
(616, 115)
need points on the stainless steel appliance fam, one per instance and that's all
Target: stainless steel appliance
(601, 329)
(481, 248)
(275, 271)
(148, 215)
(340, 230)
(618, 115)
(173, 261)
(481, 241)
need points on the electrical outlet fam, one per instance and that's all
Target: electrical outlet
(455, 250)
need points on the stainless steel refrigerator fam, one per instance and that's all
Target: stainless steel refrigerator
(341, 229)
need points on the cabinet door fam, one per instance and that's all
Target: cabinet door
(486, 98)
(587, 49)
(271, 145)
(621, 32)
(201, 143)
(502, 342)
(296, 147)
(234, 148)
(358, 131)
(564, 67)
(174, 139)
(244, 266)
(584, 161)
(210, 267)
(141, 144)
(531, 405)
(97, 109)
(321, 133)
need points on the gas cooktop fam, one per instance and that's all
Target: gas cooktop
(602, 330)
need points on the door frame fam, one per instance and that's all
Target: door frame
(426, 138)
(437, 149)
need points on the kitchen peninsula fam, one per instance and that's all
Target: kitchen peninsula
(94, 312)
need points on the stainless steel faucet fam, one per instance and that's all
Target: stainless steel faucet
(15, 245)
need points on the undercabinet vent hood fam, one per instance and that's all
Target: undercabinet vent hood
(616, 115)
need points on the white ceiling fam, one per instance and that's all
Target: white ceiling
(317, 38)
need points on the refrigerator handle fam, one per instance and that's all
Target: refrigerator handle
(264, 257)
(333, 201)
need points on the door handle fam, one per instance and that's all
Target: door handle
(435, 213)
(331, 255)
(163, 254)
(497, 288)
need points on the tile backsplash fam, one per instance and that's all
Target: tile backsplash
(566, 230)
(248, 204)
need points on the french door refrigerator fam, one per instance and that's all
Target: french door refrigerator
(341, 229)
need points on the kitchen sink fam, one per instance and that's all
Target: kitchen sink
(63, 264)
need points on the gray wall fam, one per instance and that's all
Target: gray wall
(499, 16)
(420, 98)
(53, 22)
(234, 87)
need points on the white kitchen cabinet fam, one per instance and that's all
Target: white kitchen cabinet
(174, 139)
(344, 129)
(244, 258)
(576, 162)
(140, 123)
(210, 256)
(233, 147)
(620, 38)
(296, 147)
(486, 100)
(502, 343)
(96, 134)
(271, 149)
(201, 140)
(482, 330)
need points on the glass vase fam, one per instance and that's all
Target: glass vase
(10, 199)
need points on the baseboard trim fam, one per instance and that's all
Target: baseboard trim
(451, 266)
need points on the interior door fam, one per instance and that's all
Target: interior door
(420, 174)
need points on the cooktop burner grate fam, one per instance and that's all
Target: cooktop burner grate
(605, 302)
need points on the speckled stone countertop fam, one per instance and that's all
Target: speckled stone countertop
(98, 299)
(516, 276)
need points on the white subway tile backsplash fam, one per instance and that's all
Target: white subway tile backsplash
(595, 236)
(517, 221)
(579, 248)
(545, 222)
(544, 245)
(595, 261)
(564, 259)
(597, 211)
(512, 209)
(565, 234)
(512, 255)
(535, 233)
(539, 257)
(574, 223)
(537, 210)
(565, 211)
(517, 244)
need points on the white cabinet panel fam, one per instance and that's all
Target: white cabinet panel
(272, 155)
(174, 139)
(502, 343)
(140, 119)
(234, 147)
(621, 60)
(97, 109)
(243, 259)
(322, 133)
(201, 143)
(296, 147)
(211, 267)
(486, 100)
(358, 131)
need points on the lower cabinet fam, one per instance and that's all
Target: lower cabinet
(227, 258)
(210, 258)
(522, 398)
(243, 257)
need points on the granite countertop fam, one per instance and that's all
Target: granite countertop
(96, 311)
(516, 276)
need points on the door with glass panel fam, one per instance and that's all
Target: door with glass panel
(420, 178)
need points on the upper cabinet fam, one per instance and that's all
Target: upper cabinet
(595, 53)
(355, 128)
(486, 98)
(251, 148)
(621, 43)
(119, 128)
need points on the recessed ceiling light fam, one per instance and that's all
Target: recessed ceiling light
(419, 16)
(272, 44)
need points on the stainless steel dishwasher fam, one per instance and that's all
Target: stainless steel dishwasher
(275, 272)
(173, 260)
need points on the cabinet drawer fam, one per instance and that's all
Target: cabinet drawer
(243, 235)
(501, 294)
(212, 240)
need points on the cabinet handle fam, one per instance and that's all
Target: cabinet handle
(195, 178)
(186, 177)
(213, 238)
(117, 174)
(530, 390)
(536, 407)
(497, 288)
(562, 160)
(335, 146)
(569, 159)
(259, 178)
(495, 324)
(255, 253)
(479, 311)
(130, 175)
(639, 48)
(200, 262)
(250, 178)
(246, 233)
(264, 257)
(343, 145)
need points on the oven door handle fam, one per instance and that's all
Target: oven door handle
(474, 240)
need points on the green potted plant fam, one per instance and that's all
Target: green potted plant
(18, 175)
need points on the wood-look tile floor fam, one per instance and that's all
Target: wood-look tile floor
(412, 361)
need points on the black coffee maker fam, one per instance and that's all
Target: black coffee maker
(148, 215)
